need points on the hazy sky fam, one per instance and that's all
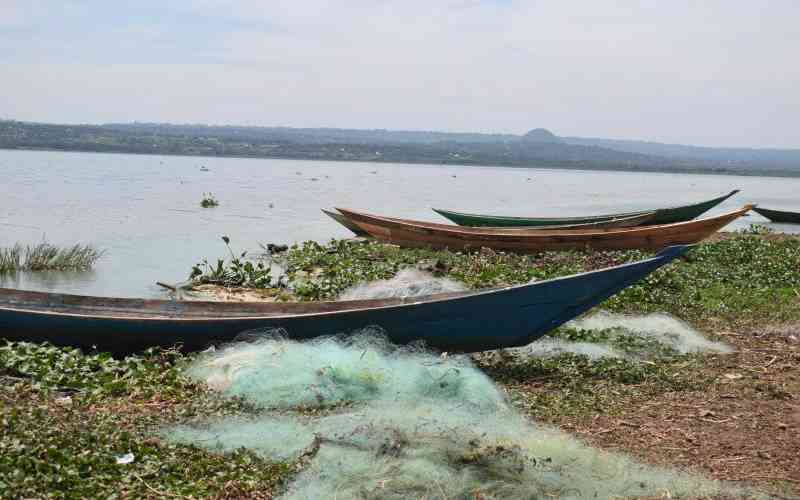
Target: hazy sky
(712, 72)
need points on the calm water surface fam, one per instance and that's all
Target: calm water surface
(144, 210)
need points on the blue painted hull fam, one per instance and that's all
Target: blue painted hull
(506, 317)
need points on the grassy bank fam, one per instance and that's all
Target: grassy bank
(67, 417)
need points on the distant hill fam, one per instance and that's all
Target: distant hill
(537, 148)
(541, 135)
(785, 158)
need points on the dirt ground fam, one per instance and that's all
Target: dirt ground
(745, 428)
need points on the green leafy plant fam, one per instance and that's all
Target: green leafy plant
(756, 229)
(208, 201)
(67, 417)
(238, 272)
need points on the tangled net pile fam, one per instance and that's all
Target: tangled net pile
(668, 332)
(391, 422)
(407, 283)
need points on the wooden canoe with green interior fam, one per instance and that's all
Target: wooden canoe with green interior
(631, 221)
(779, 215)
(409, 233)
(662, 216)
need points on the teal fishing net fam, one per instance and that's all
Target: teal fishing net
(279, 373)
(404, 423)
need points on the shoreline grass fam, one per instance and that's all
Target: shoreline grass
(48, 257)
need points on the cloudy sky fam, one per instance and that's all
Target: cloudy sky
(717, 72)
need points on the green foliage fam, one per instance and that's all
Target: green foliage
(66, 417)
(756, 229)
(567, 368)
(322, 272)
(208, 201)
(99, 374)
(238, 272)
(740, 277)
(573, 384)
(48, 257)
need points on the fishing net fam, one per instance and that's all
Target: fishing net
(279, 373)
(407, 283)
(662, 328)
(411, 424)
(547, 348)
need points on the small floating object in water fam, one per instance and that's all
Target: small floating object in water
(314, 179)
(453, 176)
(271, 205)
(374, 172)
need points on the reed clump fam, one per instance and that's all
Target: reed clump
(48, 257)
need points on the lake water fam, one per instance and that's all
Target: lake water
(144, 211)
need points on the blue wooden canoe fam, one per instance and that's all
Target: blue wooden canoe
(463, 322)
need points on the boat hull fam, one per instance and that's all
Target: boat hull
(661, 216)
(425, 234)
(779, 215)
(344, 221)
(464, 322)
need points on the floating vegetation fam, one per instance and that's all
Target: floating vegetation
(76, 425)
(238, 272)
(325, 271)
(48, 257)
(208, 201)
(371, 420)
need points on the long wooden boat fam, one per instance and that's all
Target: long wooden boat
(462, 321)
(428, 234)
(662, 216)
(632, 221)
(779, 215)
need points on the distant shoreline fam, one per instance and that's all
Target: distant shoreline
(538, 166)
